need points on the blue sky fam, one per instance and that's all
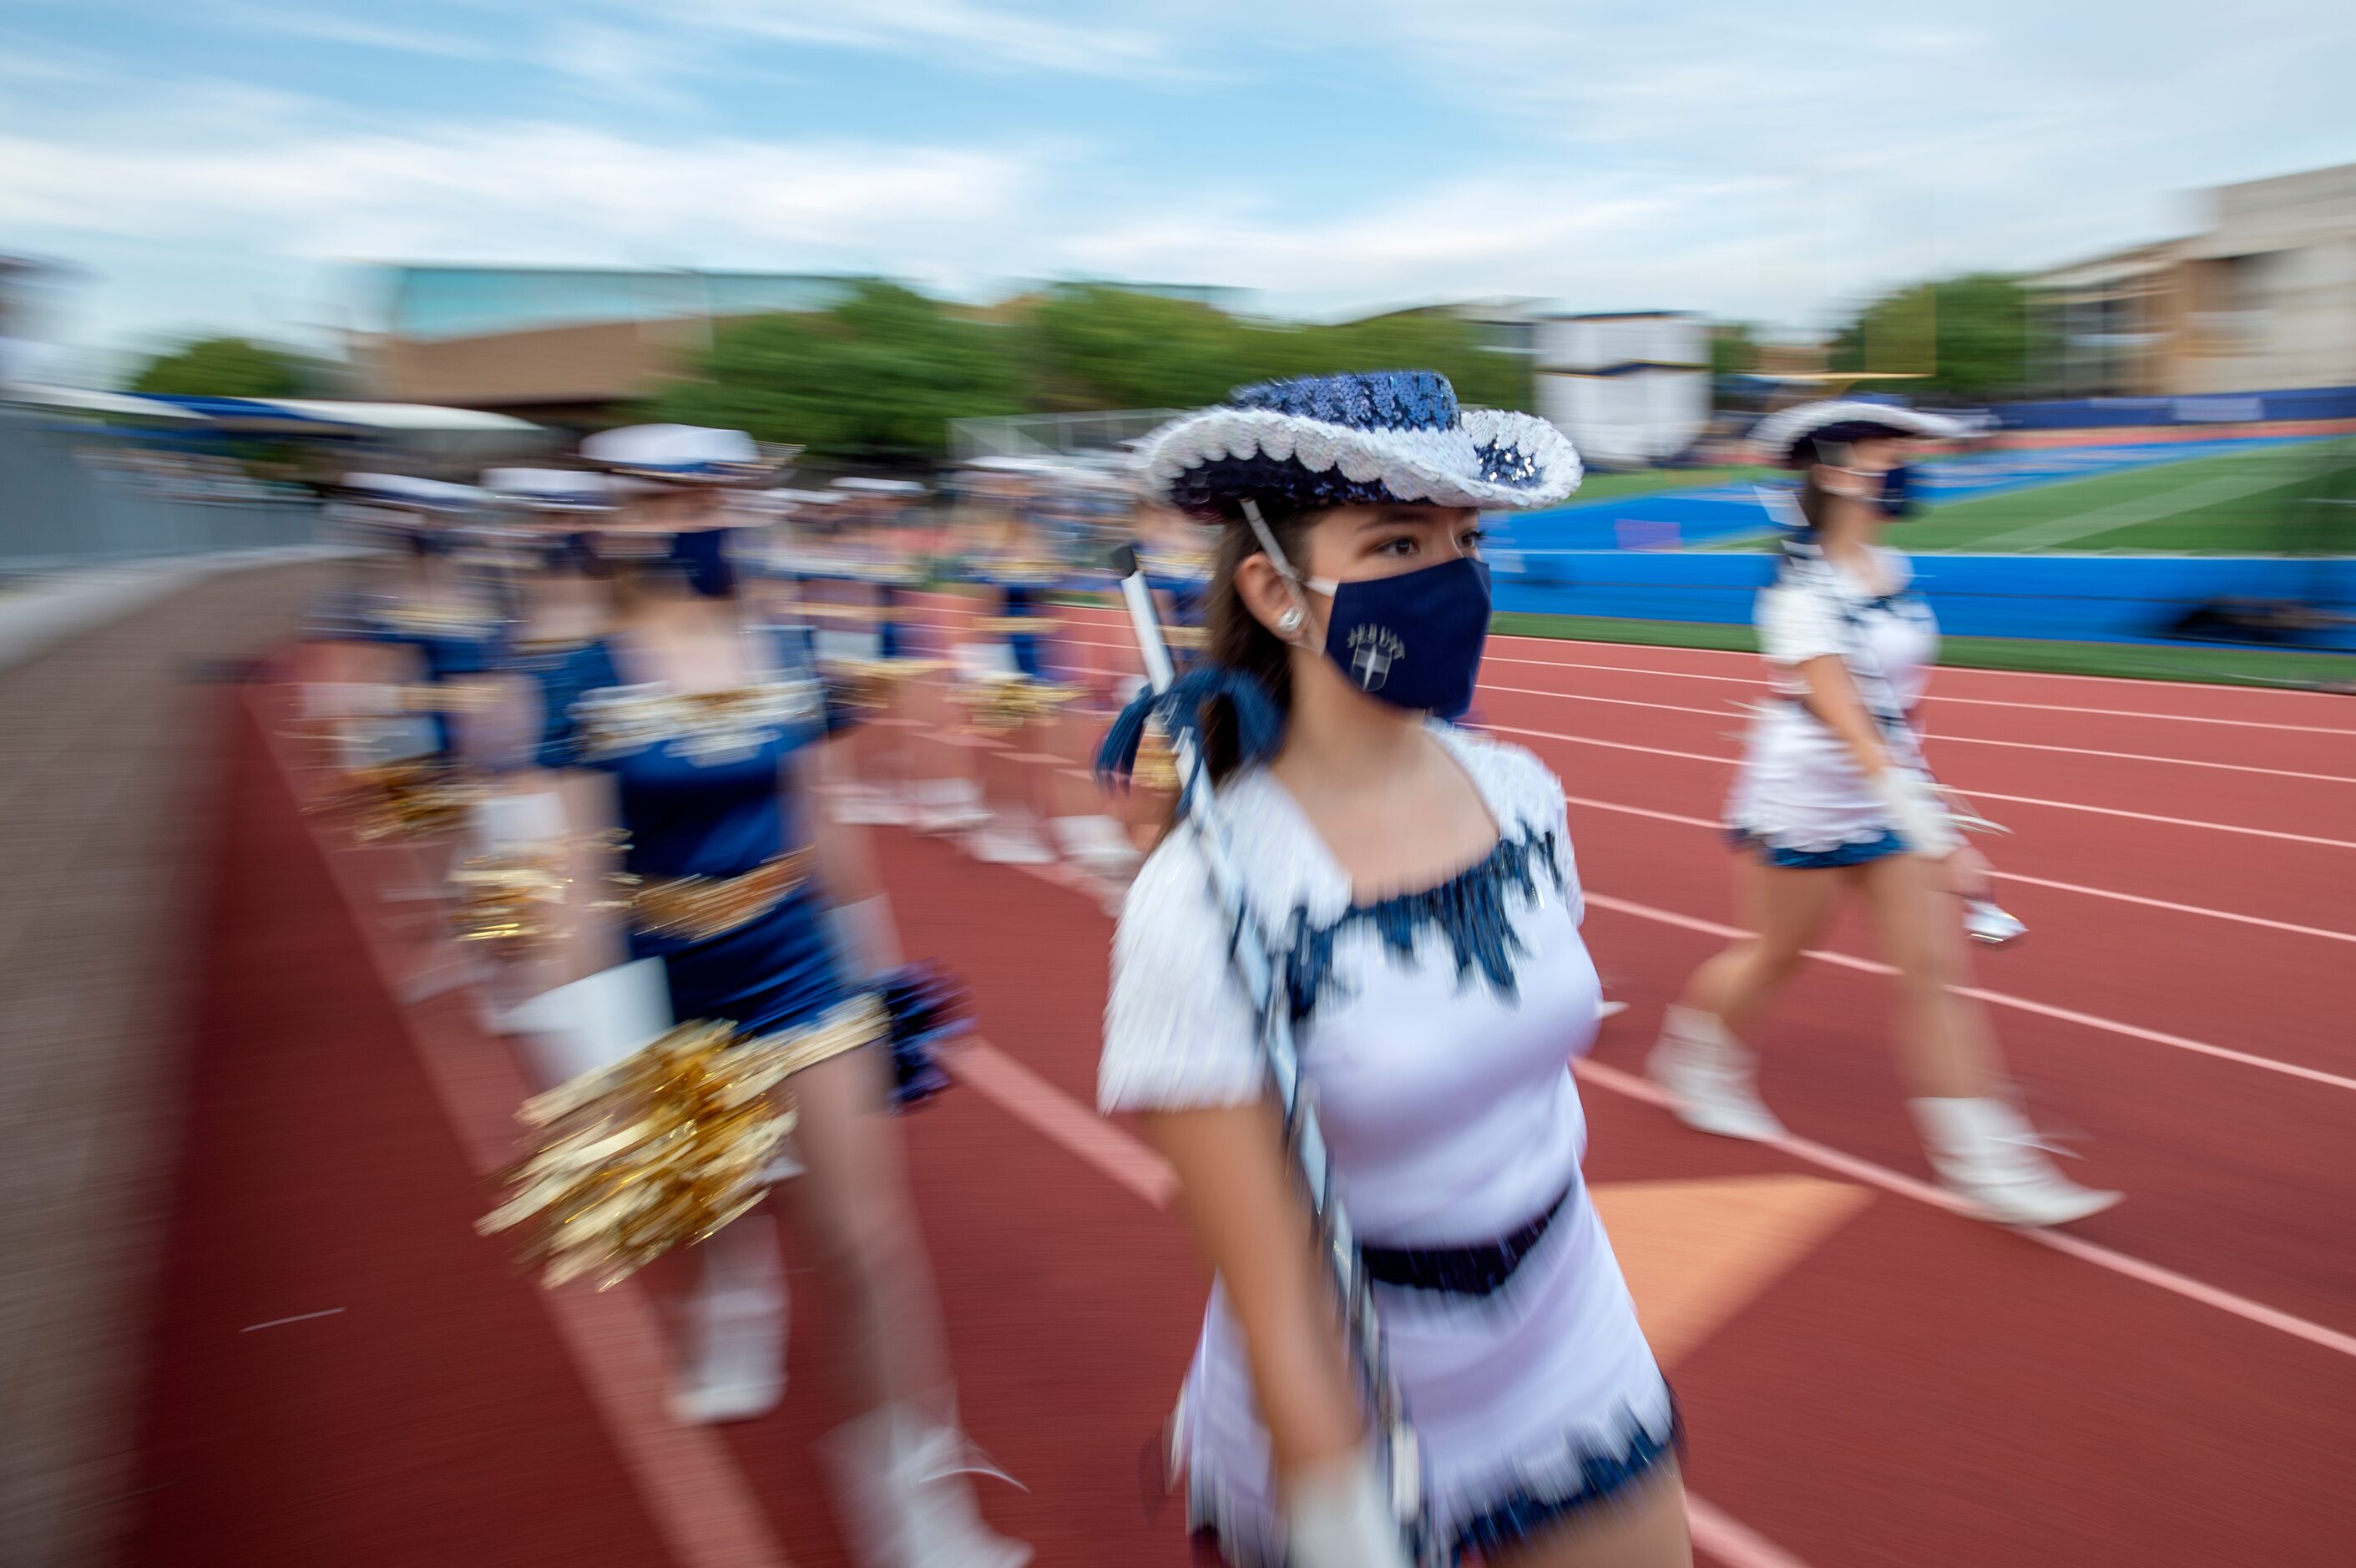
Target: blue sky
(220, 164)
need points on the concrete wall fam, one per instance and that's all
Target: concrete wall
(57, 510)
(105, 792)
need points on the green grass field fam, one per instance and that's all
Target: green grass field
(1613, 487)
(2234, 503)
(2268, 501)
(2221, 666)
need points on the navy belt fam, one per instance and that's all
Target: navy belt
(1480, 1269)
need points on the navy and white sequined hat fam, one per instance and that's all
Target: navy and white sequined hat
(681, 454)
(402, 492)
(1788, 438)
(551, 490)
(1357, 439)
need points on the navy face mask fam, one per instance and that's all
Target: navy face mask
(1413, 641)
(1896, 497)
(702, 557)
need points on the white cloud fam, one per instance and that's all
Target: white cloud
(519, 191)
(316, 25)
(957, 32)
(1714, 155)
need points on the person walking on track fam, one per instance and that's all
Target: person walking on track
(766, 916)
(1420, 883)
(1833, 797)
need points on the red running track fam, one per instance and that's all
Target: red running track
(1915, 1388)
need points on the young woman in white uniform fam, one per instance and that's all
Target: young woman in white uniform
(1420, 881)
(1833, 797)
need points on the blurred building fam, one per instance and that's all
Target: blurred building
(1631, 388)
(28, 354)
(558, 346)
(2263, 298)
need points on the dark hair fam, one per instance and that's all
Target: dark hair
(1812, 498)
(1235, 639)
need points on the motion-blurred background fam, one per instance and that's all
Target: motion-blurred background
(251, 245)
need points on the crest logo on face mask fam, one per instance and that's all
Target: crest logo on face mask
(1373, 651)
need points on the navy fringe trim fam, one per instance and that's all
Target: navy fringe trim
(929, 1009)
(1604, 1475)
(1470, 909)
(1259, 724)
(1857, 853)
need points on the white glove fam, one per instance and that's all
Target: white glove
(1917, 814)
(1335, 1517)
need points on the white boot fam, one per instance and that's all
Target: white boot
(1708, 1073)
(734, 1365)
(1986, 1155)
(736, 1368)
(902, 1479)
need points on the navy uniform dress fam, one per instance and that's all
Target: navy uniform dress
(453, 645)
(701, 785)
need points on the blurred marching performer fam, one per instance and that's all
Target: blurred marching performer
(851, 580)
(440, 625)
(1418, 885)
(560, 598)
(1833, 796)
(1007, 685)
(765, 916)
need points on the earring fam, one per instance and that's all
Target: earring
(1288, 623)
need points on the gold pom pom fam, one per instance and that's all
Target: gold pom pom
(509, 900)
(1010, 702)
(401, 801)
(662, 1148)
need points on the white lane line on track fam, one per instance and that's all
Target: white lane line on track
(1975, 794)
(1829, 1158)
(1061, 1119)
(2134, 1268)
(1940, 737)
(1731, 1540)
(298, 1317)
(1992, 998)
(2142, 685)
(1934, 698)
(699, 1502)
(1754, 680)
(2171, 906)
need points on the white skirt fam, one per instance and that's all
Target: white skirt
(1799, 789)
(1529, 1403)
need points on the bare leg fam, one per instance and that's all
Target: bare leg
(1700, 1060)
(1788, 911)
(1943, 1041)
(856, 1201)
(1645, 1529)
(1978, 1141)
(903, 1467)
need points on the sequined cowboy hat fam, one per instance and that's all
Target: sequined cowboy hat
(1790, 437)
(684, 455)
(401, 492)
(1365, 438)
(551, 490)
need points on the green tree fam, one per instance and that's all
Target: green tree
(1970, 334)
(1732, 349)
(230, 367)
(877, 378)
(1093, 346)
